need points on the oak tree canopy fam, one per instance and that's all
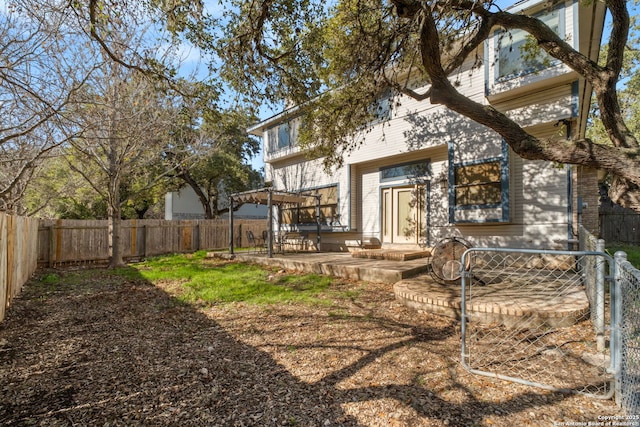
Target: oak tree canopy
(333, 59)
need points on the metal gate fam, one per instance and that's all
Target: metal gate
(540, 318)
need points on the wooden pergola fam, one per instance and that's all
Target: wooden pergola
(270, 197)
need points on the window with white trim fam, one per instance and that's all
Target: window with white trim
(514, 59)
(282, 136)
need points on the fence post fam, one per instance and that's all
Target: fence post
(599, 306)
(616, 319)
(11, 246)
(4, 249)
(146, 240)
(53, 245)
(196, 239)
(149, 237)
(133, 231)
(231, 227)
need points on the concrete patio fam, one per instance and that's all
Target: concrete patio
(414, 287)
(340, 264)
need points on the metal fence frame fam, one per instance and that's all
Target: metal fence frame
(609, 373)
(593, 273)
(625, 318)
(627, 354)
(628, 384)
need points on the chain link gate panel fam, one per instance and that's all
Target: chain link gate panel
(532, 317)
(628, 391)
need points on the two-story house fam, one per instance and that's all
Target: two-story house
(461, 179)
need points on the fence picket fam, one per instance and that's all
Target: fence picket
(619, 225)
(4, 289)
(75, 241)
(18, 255)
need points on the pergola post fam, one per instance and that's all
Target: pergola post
(280, 249)
(269, 224)
(231, 226)
(271, 197)
(318, 226)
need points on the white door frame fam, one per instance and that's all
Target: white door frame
(402, 214)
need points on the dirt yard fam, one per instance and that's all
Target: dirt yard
(104, 351)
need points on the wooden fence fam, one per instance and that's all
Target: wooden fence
(18, 250)
(619, 225)
(86, 242)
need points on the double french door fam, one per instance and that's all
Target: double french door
(403, 214)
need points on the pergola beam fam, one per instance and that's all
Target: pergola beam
(270, 197)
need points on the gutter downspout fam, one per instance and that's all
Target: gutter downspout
(570, 237)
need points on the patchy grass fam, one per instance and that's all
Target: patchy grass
(196, 278)
(107, 347)
(633, 253)
(55, 282)
(50, 279)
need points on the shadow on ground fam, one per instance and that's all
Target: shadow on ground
(95, 349)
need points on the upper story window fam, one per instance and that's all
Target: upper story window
(381, 108)
(513, 58)
(282, 136)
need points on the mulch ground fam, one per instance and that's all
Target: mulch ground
(108, 351)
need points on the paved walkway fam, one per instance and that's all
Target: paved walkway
(551, 304)
(342, 264)
(412, 285)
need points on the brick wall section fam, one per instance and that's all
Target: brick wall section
(586, 185)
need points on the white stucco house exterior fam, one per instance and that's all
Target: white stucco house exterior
(463, 180)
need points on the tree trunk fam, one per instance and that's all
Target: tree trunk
(621, 160)
(115, 221)
(204, 200)
(141, 212)
(213, 202)
(114, 208)
(625, 193)
(115, 233)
